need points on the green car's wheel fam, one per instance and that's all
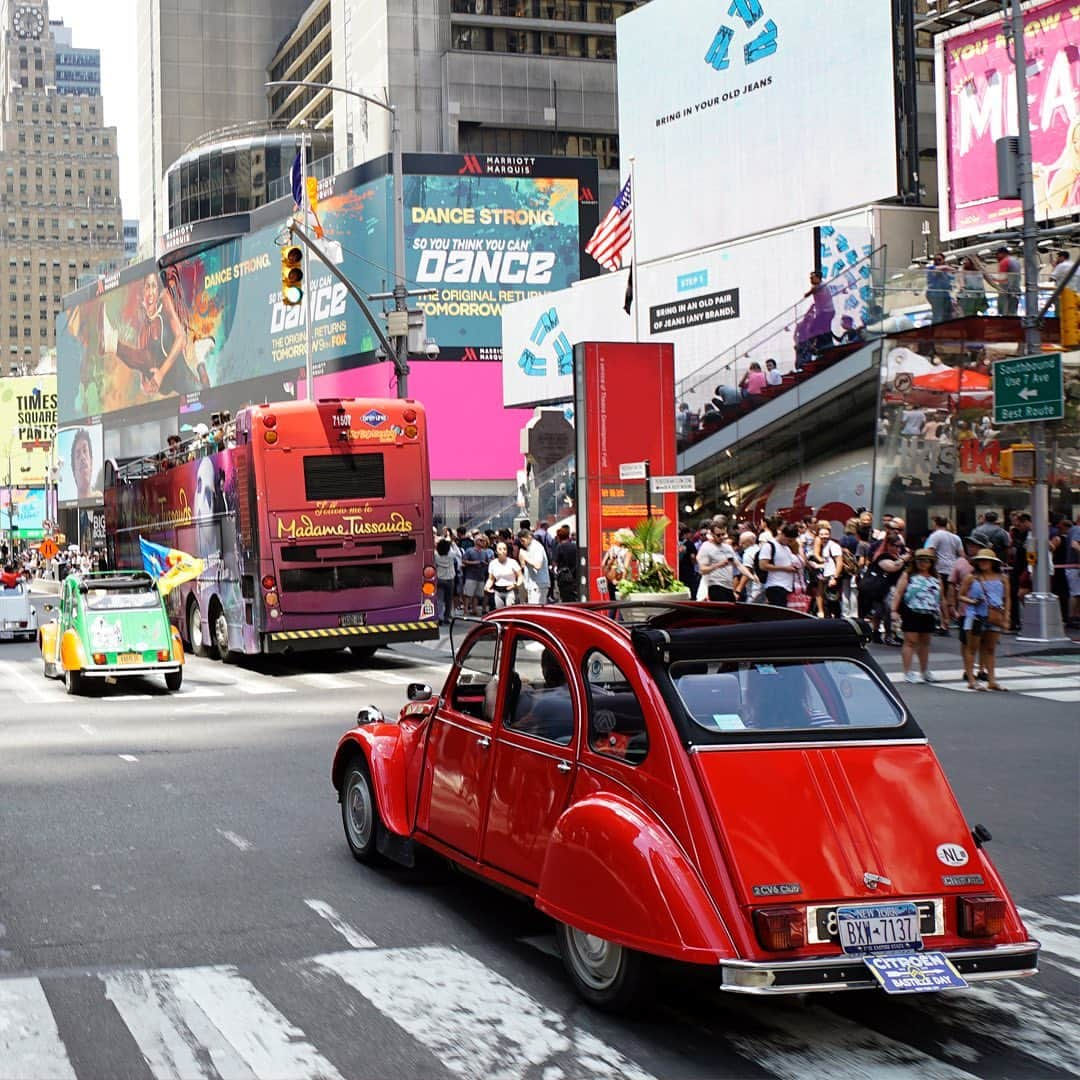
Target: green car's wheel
(174, 679)
(73, 682)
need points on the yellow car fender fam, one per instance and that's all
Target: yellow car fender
(47, 640)
(72, 653)
(177, 645)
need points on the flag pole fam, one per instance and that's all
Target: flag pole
(309, 382)
(635, 293)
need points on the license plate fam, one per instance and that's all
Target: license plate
(823, 923)
(352, 620)
(879, 928)
(917, 973)
(130, 658)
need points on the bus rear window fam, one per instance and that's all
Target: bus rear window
(344, 476)
(336, 578)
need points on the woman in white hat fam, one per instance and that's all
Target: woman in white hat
(985, 594)
(918, 602)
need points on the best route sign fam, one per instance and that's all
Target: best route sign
(1028, 388)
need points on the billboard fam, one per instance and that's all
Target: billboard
(624, 399)
(23, 509)
(762, 113)
(976, 88)
(27, 427)
(79, 457)
(480, 231)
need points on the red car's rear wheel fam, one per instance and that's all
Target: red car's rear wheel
(606, 975)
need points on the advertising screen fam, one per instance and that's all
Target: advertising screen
(27, 426)
(80, 458)
(762, 113)
(24, 510)
(977, 105)
(479, 232)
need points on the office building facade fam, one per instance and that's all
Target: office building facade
(201, 67)
(60, 217)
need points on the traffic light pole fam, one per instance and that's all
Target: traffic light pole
(1041, 615)
(309, 380)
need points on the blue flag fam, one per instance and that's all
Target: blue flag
(297, 184)
(169, 566)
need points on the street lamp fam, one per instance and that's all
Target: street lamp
(399, 325)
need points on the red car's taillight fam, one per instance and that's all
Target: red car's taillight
(780, 928)
(980, 916)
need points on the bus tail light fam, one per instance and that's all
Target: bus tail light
(980, 916)
(269, 420)
(428, 588)
(409, 416)
(268, 582)
(270, 437)
(411, 431)
(780, 928)
(272, 599)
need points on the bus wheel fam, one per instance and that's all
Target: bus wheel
(194, 629)
(363, 652)
(219, 628)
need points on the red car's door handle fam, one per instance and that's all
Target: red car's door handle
(564, 766)
(483, 742)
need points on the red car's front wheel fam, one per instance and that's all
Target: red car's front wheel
(606, 975)
(360, 812)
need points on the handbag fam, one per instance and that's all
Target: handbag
(799, 600)
(996, 618)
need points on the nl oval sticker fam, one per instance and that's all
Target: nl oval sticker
(952, 854)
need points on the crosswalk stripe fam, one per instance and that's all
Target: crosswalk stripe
(388, 678)
(323, 680)
(1059, 941)
(260, 689)
(30, 1042)
(33, 688)
(211, 1022)
(472, 1019)
(1062, 695)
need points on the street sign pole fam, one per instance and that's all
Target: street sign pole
(648, 492)
(1041, 615)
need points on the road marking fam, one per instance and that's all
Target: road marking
(30, 1043)
(1062, 695)
(349, 933)
(1074, 899)
(200, 692)
(813, 1042)
(472, 1019)
(1060, 944)
(324, 680)
(33, 689)
(211, 1022)
(387, 678)
(127, 757)
(87, 729)
(259, 689)
(235, 839)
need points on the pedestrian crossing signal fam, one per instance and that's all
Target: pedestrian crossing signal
(292, 275)
(1017, 463)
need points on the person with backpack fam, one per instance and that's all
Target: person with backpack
(887, 562)
(919, 601)
(829, 556)
(779, 560)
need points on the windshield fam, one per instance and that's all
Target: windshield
(121, 599)
(783, 695)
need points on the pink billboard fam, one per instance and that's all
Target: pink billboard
(977, 105)
(470, 435)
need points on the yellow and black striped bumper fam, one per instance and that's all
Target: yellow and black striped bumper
(337, 637)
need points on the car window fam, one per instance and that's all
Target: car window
(538, 700)
(120, 599)
(616, 719)
(476, 685)
(783, 695)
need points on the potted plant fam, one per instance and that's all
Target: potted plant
(649, 577)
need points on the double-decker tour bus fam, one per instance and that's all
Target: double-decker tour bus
(313, 520)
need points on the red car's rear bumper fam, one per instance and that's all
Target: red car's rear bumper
(849, 973)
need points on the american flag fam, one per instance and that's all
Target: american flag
(613, 233)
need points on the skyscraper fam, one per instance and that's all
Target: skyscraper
(202, 66)
(58, 165)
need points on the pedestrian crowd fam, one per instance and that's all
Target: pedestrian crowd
(905, 593)
(25, 563)
(479, 571)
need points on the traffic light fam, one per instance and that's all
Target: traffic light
(1017, 463)
(292, 275)
(1068, 306)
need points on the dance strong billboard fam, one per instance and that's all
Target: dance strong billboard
(755, 114)
(976, 87)
(481, 231)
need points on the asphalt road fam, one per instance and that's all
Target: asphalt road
(177, 900)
